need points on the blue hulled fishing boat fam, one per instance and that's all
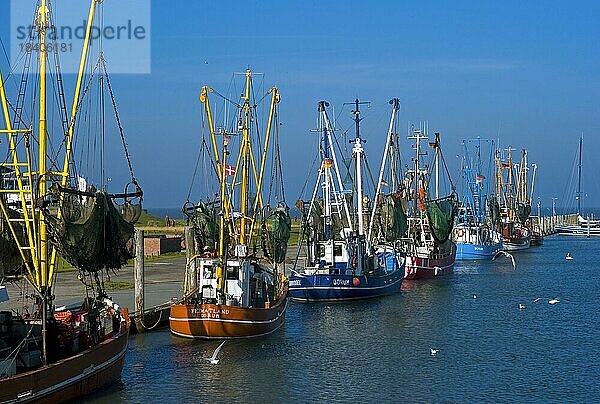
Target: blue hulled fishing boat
(474, 233)
(338, 261)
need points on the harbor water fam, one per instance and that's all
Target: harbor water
(380, 350)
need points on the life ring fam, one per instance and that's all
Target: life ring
(460, 232)
(354, 261)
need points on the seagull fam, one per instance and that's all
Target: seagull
(474, 296)
(213, 359)
(522, 306)
(433, 351)
(509, 255)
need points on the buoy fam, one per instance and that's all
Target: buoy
(356, 282)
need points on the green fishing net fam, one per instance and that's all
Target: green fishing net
(10, 257)
(440, 214)
(279, 226)
(206, 229)
(393, 219)
(93, 233)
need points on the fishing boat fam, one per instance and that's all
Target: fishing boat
(237, 286)
(585, 226)
(50, 216)
(341, 263)
(474, 233)
(429, 250)
(537, 233)
(511, 207)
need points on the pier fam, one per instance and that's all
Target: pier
(548, 224)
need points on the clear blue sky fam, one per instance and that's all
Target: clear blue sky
(526, 70)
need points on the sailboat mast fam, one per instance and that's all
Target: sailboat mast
(579, 177)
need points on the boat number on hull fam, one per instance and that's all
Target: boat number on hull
(210, 312)
(295, 283)
(341, 282)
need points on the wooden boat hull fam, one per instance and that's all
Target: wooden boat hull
(211, 321)
(429, 267)
(72, 377)
(323, 288)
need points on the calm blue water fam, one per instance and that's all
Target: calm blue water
(379, 350)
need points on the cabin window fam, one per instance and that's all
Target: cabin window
(207, 272)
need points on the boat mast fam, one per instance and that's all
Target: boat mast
(222, 247)
(245, 157)
(330, 146)
(436, 145)
(579, 177)
(388, 146)
(42, 176)
(326, 164)
(533, 184)
(511, 191)
(74, 110)
(417, 136)
(358, 152)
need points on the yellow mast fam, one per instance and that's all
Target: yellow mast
(42, 169)
(244, 153)
(275, 98)
(222, 246)
(74, 109)
(211, 127)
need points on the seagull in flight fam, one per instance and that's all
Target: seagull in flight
(434, 351)
(509, 255)
(213, 359)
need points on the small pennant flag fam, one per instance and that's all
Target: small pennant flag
(479, 178)
(505, 165)
(384, 182)
(327, 163)
(229, 170)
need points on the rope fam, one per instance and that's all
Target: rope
(112, 98)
